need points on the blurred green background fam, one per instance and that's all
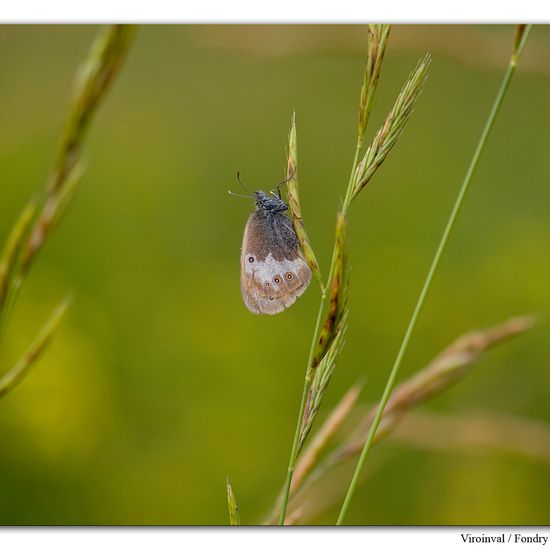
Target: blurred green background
(160, 383)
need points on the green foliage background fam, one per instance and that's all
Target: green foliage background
(160, 382)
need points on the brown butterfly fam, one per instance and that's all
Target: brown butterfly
(273, 271)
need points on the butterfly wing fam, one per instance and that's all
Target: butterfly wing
(273, 272)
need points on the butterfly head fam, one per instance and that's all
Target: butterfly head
(269, 204)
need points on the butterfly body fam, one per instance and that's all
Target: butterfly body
(273, 272)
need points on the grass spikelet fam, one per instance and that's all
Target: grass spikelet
(31, 231)
(452, 364)
(325, 434)
(294, 205)
(232, 507)
(443, 372)
(321, 380)
(338, 298)
(392, 128)
(91, 84)
(377, 38)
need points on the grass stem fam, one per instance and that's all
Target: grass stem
(307, 384)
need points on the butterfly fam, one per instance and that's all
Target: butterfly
(273, 271)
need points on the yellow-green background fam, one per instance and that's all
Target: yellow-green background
(160, 382)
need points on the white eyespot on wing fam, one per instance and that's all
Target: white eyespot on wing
(249, 263)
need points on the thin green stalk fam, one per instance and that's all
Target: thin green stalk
(435, 262)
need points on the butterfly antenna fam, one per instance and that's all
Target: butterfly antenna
(237, 195)
(248, 196)
(278, 186)
(242, 184)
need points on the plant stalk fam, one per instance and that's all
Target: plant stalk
(307, 384)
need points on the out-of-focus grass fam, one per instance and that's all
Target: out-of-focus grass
(39, 217)
(138, 425)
